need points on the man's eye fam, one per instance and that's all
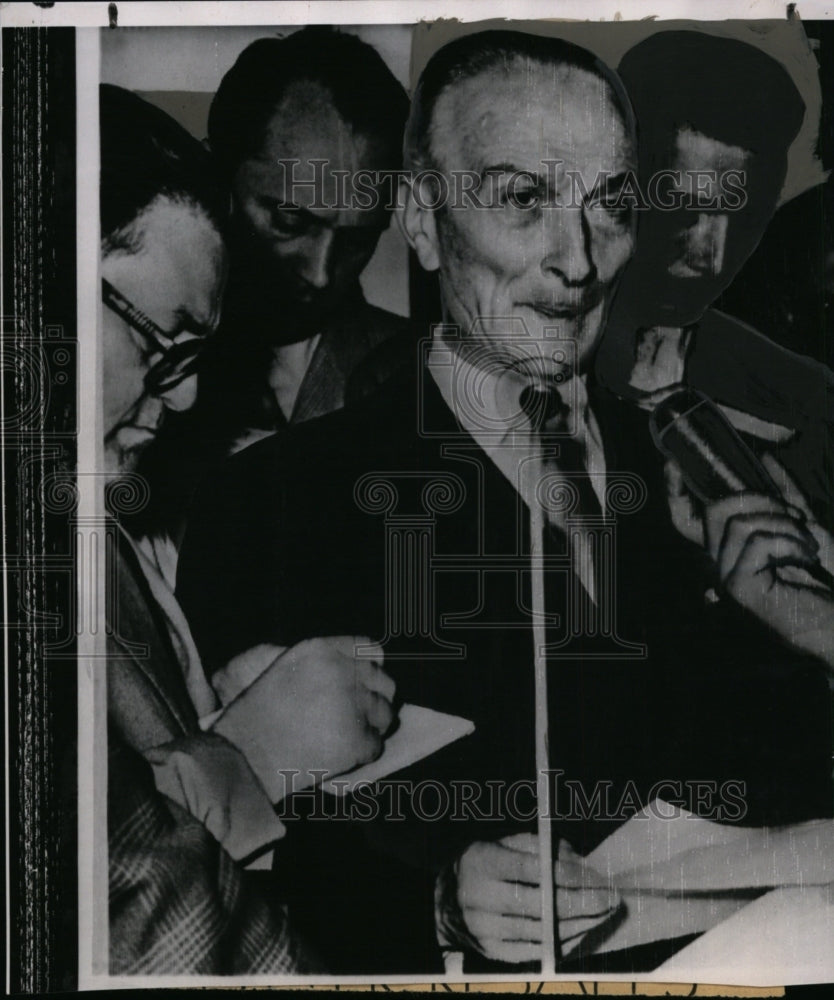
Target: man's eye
(523, 197)
(613, 206)
(287, 220)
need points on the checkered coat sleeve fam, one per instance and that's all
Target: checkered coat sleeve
(178, 902)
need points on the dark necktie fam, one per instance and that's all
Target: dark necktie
(562, 452)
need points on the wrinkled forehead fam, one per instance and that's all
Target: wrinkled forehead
(527, 110)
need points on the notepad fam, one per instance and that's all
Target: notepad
(679, 874)
(785, 936)
(421, 732)
(656, 836)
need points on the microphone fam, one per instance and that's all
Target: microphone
(688, 427)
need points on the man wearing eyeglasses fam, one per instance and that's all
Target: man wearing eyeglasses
(179, 829)
(150, 364)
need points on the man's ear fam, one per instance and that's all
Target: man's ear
(418, 225)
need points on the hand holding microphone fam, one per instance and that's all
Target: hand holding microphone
(771, 555)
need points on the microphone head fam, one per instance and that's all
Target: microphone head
(688, 427)
(674, 406)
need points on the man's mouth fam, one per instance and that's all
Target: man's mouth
(571, 310)
(310, 304)
(686, 269)
(133, 436)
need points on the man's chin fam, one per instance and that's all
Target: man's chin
(122, 455)
(563, 348)
(546, 369)
(682, 301)
(683, 307)
(122, 463)
(300, 320)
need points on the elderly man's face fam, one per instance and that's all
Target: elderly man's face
(304, 244)
(541, 265)
(176, 280)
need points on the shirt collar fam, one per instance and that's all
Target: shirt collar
(486, 402)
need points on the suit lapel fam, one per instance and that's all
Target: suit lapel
(323, 387)
(340, 349)
(142, 666)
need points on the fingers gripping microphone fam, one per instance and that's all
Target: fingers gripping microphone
(715, 463)
(689, 428)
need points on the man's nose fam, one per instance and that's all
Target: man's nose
(567, 249)
(149, 412)
(707, 242)
(182, 396)
(317, 259)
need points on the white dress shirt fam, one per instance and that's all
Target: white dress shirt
(287, 370)
(206, 774)
(486, 404)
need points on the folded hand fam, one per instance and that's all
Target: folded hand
(499, 903)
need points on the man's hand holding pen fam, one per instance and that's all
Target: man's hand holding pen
(314, 707)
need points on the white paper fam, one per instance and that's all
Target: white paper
(421, 732)
(786, 935)
(679, 874)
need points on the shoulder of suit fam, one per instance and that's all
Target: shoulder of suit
(811, 381)
(371, 418)
(380, 324)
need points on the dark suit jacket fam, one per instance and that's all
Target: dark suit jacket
(356, 353)
(293, 540)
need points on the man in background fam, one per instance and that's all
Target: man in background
(714, 168)
(193, 770)
(306, 132)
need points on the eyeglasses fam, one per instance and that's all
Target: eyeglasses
(178, 361)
